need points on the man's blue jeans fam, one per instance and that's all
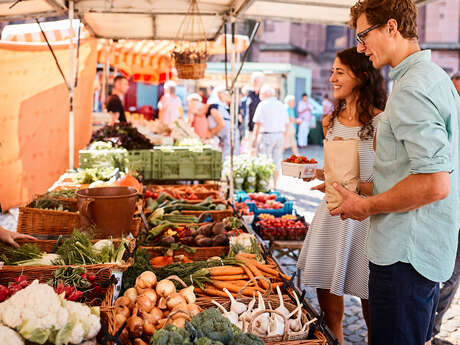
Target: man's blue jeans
(402, 305)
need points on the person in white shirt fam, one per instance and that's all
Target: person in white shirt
(169, 106)
(271, 121)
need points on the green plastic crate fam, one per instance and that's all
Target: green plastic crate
(183, 164)
(101, 158)
(141, 161)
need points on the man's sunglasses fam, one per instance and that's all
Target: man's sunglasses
(361, 35)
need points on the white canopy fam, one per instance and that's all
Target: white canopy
(160, 19)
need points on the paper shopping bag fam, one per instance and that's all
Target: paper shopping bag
(341, 165)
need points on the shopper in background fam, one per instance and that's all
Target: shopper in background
(243, 111)
(328, 107)
(333, 256)
(304, 113)
(115, 102)
(257, 80)
(271, 122)
(449, 288)
(290, 137)
(170, 105)
(219, 120)
(415, 206)
(196, 116)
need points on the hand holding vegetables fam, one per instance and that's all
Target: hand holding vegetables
(10, 237)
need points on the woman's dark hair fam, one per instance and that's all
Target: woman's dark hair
(370, 92)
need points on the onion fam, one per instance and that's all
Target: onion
(156, 314)
(181, 311)
(162, 303)
(161, 323)
(144, 303)
(123, 311)
(165, 288)
(135, 324)
(175, 299)
(139, 341)
(119, 320)
(188, 294)
(146, 280)
(122, 301)
(193, 309)
(131, 293)
(149, 328)
(179, 322)
(151, 294)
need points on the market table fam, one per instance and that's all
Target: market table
(289, 249)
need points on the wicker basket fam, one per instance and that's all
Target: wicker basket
(34, 221)
(201, 253)
(190, 71)
(44, 274)
(216, 215)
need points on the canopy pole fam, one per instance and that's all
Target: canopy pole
(232, 106)
(71, 87)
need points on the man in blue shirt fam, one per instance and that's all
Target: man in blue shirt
(414, 209)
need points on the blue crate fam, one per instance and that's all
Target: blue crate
(287, 209)
(243, 196)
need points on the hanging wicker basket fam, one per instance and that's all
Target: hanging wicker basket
(190, 55)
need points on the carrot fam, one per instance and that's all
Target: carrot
(233, 287)
(225, 270)
(280, 284)
(249, 273)
(232, 277)
(263, 267)
(254, 270)
(211, 291)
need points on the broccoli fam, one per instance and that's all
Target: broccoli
(171, 335)
(236, 330)
(207, 341)
(246, 339)
(212, 324)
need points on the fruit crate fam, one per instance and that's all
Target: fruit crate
(243, 196)
(287, 209)
(283, 233)
(183, 164)
(101, 158)
(141, 161)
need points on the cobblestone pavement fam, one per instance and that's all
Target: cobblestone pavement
(306, 202)
(354, 327)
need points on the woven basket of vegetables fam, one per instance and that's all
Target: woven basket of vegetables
(67, 260)
(55, 217)
(190, 55)
(266, 315)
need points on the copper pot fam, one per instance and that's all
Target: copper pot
(108, 209)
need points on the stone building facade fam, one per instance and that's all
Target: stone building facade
(315, 45)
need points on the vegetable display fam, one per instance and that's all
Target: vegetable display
(262, 319)
(152, 304)
(282, 229)
(122, 134)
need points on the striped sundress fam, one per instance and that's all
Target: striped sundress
(334, 253)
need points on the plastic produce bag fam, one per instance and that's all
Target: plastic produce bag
(341, 165)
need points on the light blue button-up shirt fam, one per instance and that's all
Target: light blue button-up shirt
(418, 134)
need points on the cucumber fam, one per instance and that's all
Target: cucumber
(161, 198)
(151, 204)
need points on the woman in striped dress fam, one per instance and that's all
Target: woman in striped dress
(333, 256)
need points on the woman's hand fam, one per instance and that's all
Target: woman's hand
(9, 237)
(319, 174)
(321, 187)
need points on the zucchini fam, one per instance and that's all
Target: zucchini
(161, 198)
(151, 204)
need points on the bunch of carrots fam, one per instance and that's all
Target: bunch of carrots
(234, 278)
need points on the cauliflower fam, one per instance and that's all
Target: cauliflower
(35, 312)
(83, 324)
(9, 337)
(41, 315)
